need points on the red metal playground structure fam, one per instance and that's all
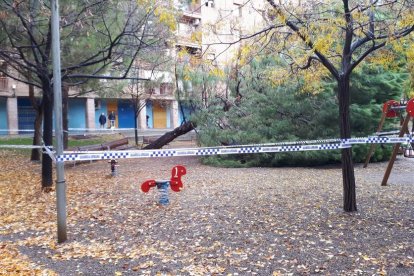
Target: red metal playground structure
(395, 109)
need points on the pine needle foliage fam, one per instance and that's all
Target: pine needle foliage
(269, 114)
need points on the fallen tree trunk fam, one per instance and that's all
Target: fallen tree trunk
(171, 135)
(104, 146)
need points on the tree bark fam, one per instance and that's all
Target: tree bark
(348, 176)
(37, 135)
(136, 128)
(47, 179)
(169, 136)
(135, 102)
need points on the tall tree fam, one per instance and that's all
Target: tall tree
(96, 37)
(339, 35)
(330, 38)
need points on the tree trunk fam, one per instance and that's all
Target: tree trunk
(47, 179)
(169, 136)
(37, 136)
(348, 176)
(136, 104)
(136, 128)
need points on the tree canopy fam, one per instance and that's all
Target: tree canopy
(99, 39)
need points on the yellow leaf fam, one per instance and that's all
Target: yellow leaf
(366, 258)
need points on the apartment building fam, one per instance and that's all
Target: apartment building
(207, 29)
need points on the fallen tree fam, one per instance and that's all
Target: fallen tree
(171, 135)
(105, 146)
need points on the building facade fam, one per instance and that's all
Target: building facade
(210, 21)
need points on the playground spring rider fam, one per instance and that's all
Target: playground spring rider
(175, 183)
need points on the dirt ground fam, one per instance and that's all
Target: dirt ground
(251, 221)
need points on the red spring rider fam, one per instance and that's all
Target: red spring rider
(175, 183)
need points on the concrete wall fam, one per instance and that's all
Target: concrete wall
(174, 114)
(90, 113)
(142, 116)
(231, 19)
(12, 115)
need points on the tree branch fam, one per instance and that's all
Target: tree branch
(324, 60)
(349, 32)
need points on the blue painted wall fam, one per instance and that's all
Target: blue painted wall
(125, 114)
(149, 113)
(27, 114)
(98, 111)
(186, 113)
(77, 113)
(3, 116)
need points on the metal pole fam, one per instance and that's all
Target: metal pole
(57, 92)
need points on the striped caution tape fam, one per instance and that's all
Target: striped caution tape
(296, 146)
(195, 152)
(378, 140)
(332, 144)
(21, 147)
(50, 153)
(48, 150)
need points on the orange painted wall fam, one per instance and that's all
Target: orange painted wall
(159, 116)
(112, 105)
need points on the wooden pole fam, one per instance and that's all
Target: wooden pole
(372, 147)
(403, 130)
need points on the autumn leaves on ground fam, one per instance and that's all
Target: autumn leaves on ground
(261, 221)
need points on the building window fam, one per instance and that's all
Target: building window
(166, 88)
(98, 104)
(151, 91)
